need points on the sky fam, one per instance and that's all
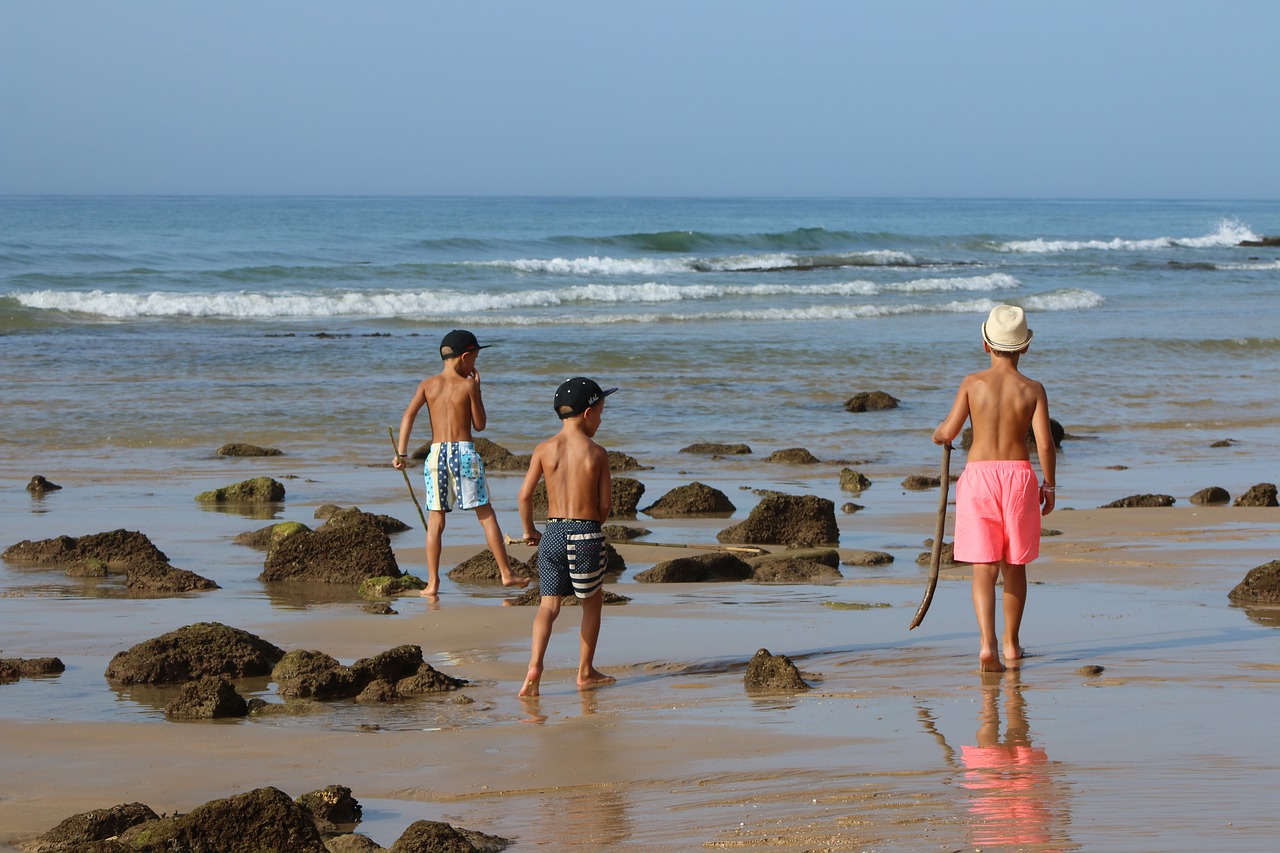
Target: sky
(897, 98)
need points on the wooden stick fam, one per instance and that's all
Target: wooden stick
(396, 449)
(748, 550)
(935, 561)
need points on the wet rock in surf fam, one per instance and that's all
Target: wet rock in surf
(871, 401)
(97, 825)
(432, 836)
(39, 485)
(801, 520)
(1139, 501)
(256, 490)
(193, 651)
(207, 698)
(853, 481)
(623, 532)
(341, 515)
(1263, 494)
(792, 456)
(266, 815)
(11, 669)
(695, 499)
(348, 548)
(241, 449)
(702, 568)
(146, 568)
(483, 568)
(767, 671)
(816, 565)
(711, 448)
(1260, 586)
(1211, 495)
(532, 597)
(309, 674)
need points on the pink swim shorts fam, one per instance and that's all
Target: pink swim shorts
(997, 513)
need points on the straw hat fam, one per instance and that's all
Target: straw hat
(1006, 329)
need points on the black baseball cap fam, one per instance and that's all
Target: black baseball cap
(576, 395)
(458, 342)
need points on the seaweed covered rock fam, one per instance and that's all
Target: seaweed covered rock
(1140, 501)
(256, 490)
(337, 515)
(332, 805)
(11, 669)
(92, 826)
(811, 565)
(626, 493)
(532, 597)
(260, 820)
(695, 499)
(433, 836)
(622, 532)
(871, 401)
(710, 448)
(207, 698)
(619, 461)
(264, 538)
(1263, 494)
(792, 456)
(236, 448)
(853, 481)
(702, 568)
(348, 548)
(307, 674)
(767, 671)
(803, 520)
(1211, 495)
(146, 568)
(482, 568)
(39, 485)
(194, 651)
(1260, 586)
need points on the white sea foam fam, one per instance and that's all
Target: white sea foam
(1252, 265)
(598, 266)
(1229, 233)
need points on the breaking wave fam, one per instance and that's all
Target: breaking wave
(1229, 233)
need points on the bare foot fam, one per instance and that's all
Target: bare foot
(531, 681)
(1013, 651)
(515, 580)
(430, 592)
(988, 662)
(595, 678)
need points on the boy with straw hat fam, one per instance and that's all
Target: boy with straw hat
(998, 500)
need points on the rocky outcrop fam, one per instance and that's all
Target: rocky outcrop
(708, 448)
(695, 499)
(626, 494)
(207, 698)
(389, 587)
(867, 559)
(330, 512)
(767, 671)
(1211, 495)
(779, 519)
(1138, 501)
(393, 674)
(331, 806)
(241, 449)
(532, 597)
(494, 455)
(348, 548)
(814, 565)
(92, 826)
(619, 461)
(432, 836)
(262, 819)
(623, 532)
(1263, 494)
(146, 568)
(482, 568)
(793, 456)
(1260, 586)
(194, 651)
(11, 669)
(1261, 242)
(265, 537)
(39, 485)
(702, 568)
(920, 483)
(257, 490)
(871, 401)
(946, 559)
(853, 481)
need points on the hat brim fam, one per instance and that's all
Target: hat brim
(1005, 347)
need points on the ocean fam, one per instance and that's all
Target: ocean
(143, 331)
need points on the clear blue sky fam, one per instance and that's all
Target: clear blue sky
(1124, 98)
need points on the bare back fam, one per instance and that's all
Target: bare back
(576, 470)
(454, 404)
(1001, 404)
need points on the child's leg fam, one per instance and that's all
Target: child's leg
(435, 541)
(543, 620)
(984, 607)
(1014, 602)
(588, 675)
(493, 537)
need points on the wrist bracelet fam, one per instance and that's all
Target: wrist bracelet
(1046, 487)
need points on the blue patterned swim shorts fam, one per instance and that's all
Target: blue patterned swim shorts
(455, 477)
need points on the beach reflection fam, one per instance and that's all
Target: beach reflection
(1017, 800)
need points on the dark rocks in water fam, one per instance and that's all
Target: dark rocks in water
(379, 608)
(88, 827)
(778, 519)
(793, 456)
(626, 494)
(308, 674)
(257, 490)
(702, 568)
(194, 651)
(853, 481)
(946, 558)
(332, 805)
(532, 597)
(11, 669)
(145, 566)
(1262, 494)
(264, 538)
(348, 548)
(388, 587)
(1264, 241)
(622, 532)
(1211, 495)
(353, 843)
(867, 558)
(1134, 501)
(919, 483)
(207, 698)
(794, 568)
(1260, 586)
(709, 448)
(1225, 442)
(871, 401)
(239, 449)
(494, 455)
(433, 836)
(849, 507)
(768, 671)
(260, 820)
(619, 461)
(483, 568)
(39, 485)
(1090, 670)
(695, 499)
(341, 515)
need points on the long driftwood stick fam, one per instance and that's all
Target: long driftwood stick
(944, 489)
(396, 449)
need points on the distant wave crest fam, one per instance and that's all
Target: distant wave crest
(607, 266)
(1229, 233)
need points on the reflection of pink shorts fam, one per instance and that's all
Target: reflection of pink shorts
(997, 513)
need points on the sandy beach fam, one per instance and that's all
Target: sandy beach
(901, 745)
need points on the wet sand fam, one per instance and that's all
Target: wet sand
(901, 745)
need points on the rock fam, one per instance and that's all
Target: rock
(257, 490)
(1211, 495)
(712, 449)
(207, 698)
(768, 671)
(1265, 241)
(849, 507)
(164, 578)
(867, 558)
(619, 461)
(1090, 670)
(870, 401)
(622, 533)
(379, 608)
(348, 548)
(482, 568)
(947, 558)
(1140, 501)
(853, 481)
(703, 568)
(307, 674)
(96, 825)
(388, 587)
(1263, 494)
(12, 669)
(532, 597)
(145, 566)
(695, 499)
(919, 483)
(1224, 442)
(194, 651)
(39, 485)
(792, 456)
(332, 804)
(432, 836)
(352, 843)
(264, 819)
(237, 449)
(1260, 586)
(494, 455)
(626, 496)
(787, 519)
(793, 570)
(338, 516)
